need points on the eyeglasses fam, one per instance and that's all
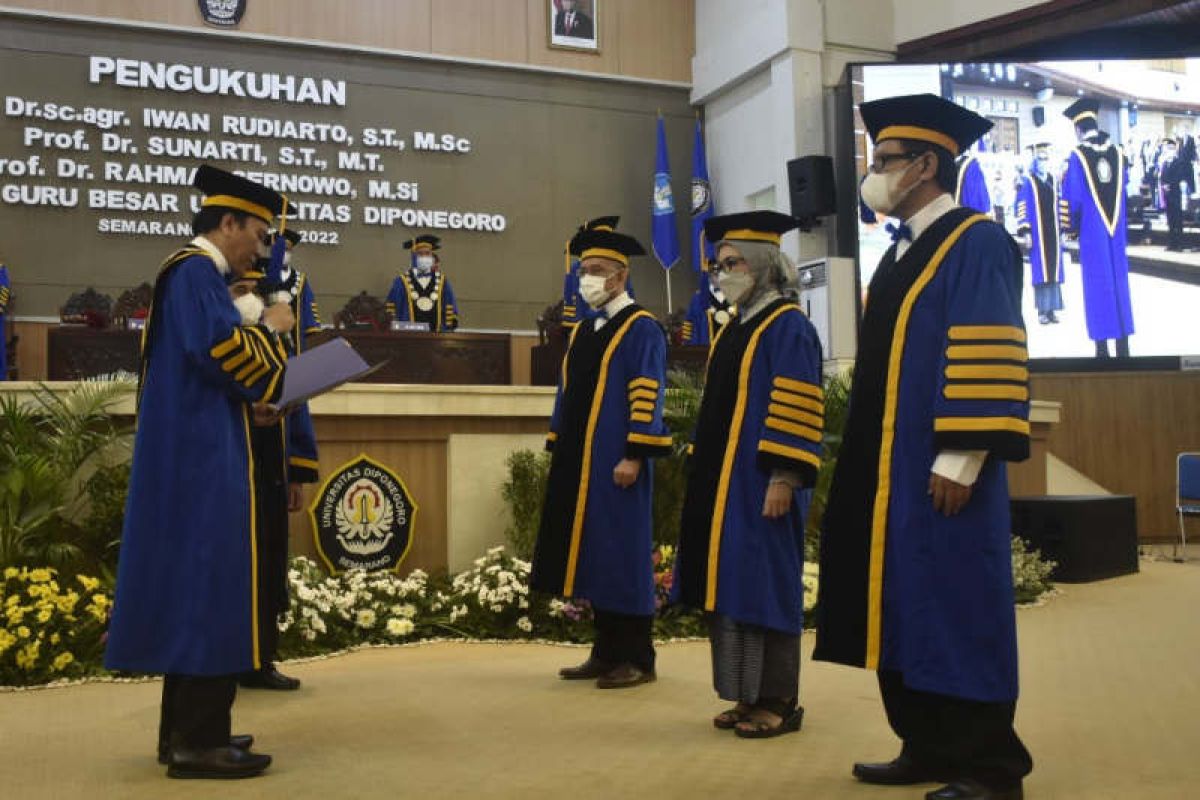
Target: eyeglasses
(727, 264)
(881, 162)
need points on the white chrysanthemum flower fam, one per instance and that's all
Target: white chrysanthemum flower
(524, 624)
(365, 618)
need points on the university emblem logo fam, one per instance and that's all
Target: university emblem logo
(664, 202)
(701, 196)
(222, 13)
(363, 518)
(1104, 171)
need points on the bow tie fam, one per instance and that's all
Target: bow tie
(898, 232)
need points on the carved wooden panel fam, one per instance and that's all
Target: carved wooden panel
(80, 352)
(448, 358)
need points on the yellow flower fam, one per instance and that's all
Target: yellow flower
(90, 584)
(44, 615)
(99, 613)
(55, 638)
(12, 600)
(27, 655)
(23, 632)
(61, 661)
(7, 640)
(10, 573)
(66, 602)
(40, 575)
(15, 615)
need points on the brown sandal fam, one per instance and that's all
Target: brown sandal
(789, 722)
(728, 719)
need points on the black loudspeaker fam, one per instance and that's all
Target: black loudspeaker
(1091, 538)
(1039, 116)
(810, 186)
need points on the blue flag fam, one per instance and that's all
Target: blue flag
(664, 234)
(702, 203)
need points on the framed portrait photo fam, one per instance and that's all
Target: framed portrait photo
(573, 25)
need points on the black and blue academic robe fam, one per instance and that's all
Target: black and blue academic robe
(5, 296)
(595, 538)
(705, 316)
(762, 410)
(301, 436)
(1037, 213)
(187, 595)
(1093, 205)
(972, 191)
(430, 301)
(941, 366)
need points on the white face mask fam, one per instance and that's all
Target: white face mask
(250, 306)
(735, 285)
(424, 263)
(881, 190)
(717, 294)
(591, 289)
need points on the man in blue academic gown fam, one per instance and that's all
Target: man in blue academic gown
(971, 188)
(575, 308)
(5, 296)
(1093, 208)
(594, 542)
(284, 283)
(916, 573)
(708, 312)
(1037, 218)
(424, 294)
(187, 583)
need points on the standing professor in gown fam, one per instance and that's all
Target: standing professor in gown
(595, 541)
(187, 584)
(757, 442)
(916, 572)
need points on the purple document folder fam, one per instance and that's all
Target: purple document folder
(321, 369)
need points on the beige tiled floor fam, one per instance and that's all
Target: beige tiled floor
(1110, 709)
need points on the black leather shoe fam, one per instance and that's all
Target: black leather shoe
(901, 771)
(219, 762)
(242, 741)
(268, 678)
(970, 790)
(587, 671)
(624, 676)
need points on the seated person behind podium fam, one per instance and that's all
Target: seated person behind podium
(594, 541)
(186, 587)
(424, 294)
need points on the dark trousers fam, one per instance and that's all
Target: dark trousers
(961, 738)
(196, 711)
(624, 639)
(1174, 217)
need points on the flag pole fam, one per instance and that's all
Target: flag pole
(667, 272)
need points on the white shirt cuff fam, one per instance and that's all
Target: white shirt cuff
(960, 466)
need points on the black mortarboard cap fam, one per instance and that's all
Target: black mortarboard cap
(426, 241)
(924, 118)
(749, 226)
(225, 190)
(1084, 112)
(606, 244)
(600, 224)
